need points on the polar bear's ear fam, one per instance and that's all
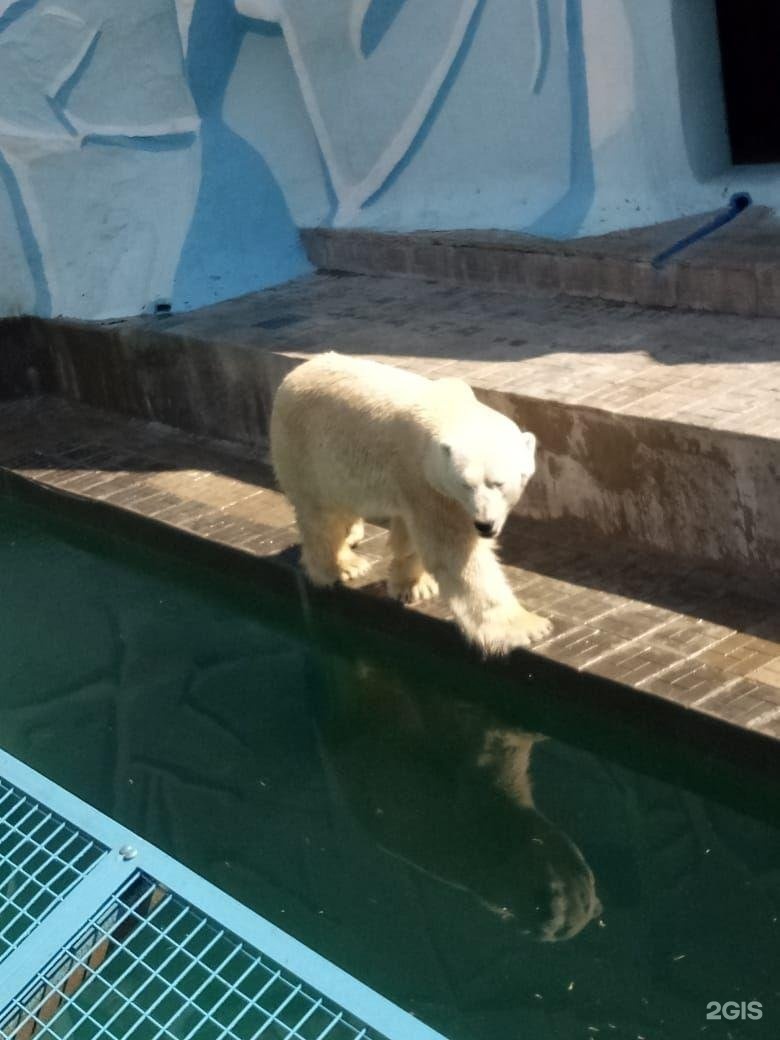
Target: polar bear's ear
(447, 449)
(529, 440)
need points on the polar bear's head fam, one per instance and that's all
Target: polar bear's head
(483, 461)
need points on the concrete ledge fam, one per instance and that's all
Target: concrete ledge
(24, 365)
(696, 493)
(704, 494)
(199, 384)
(736, 270)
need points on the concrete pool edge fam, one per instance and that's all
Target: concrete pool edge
(659, 716)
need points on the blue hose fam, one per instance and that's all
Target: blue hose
(737, 203)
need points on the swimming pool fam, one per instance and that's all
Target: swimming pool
(383, 806)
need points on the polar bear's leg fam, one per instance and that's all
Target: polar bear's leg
(471, 579)
(326, 556)
(408, 579)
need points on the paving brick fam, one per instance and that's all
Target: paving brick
(579, 646)
(687, 681)
(636, 620)
(83, 481)
(209, 522)
(654, 288)
(769, 726)
(768, 289)
(178, 512)
(136, 495)
(234, 532)
(145, 504)
(689, 635)
(271, 541)
(635, 663)
(212, 489)
(768, 673)
(714, 289)
(743, 703)
(116, 483)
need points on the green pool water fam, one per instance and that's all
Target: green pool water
(419, 821)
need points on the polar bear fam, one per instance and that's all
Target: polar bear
(354, 440)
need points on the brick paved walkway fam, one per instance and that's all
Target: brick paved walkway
(720, 372)
(678, 631)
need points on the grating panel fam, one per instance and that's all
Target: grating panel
(99, 942)
(42, 858)
(150, 965)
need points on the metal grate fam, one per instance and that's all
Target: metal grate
(100, 942)
(42, 858)
(170, 972)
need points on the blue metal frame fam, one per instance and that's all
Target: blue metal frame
(126, 855)
(42, 858)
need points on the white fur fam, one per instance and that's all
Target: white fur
(354, 440)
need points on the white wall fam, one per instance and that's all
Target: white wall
(167, 149)
(560, 117)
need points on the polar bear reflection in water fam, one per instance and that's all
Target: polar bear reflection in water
(442, 787)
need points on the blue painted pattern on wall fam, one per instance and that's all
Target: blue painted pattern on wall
(169, 149)
(99, 148)
(242, 236)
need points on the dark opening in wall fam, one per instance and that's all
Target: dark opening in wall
(749, 32)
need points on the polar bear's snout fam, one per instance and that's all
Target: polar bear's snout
(490, 502)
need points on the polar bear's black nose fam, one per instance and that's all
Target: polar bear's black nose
(485, 530)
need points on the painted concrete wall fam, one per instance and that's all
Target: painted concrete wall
(168, 149)
(559, 117)
(120, 183)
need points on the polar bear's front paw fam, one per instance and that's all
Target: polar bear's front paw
(413, 590)
(502, 630)
(536, 626)
(352, 566)
(346, 567)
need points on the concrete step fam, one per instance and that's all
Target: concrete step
(734, 270)
(696, 652)
(655, 428)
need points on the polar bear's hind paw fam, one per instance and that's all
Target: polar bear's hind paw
(414, 591)
(352, 566)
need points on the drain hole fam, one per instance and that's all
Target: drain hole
(740, 201)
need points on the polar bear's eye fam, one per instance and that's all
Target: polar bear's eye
(494, 485)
